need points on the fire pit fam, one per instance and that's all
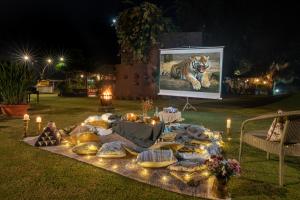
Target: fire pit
(105, 98)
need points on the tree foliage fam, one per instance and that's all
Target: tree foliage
(138, 29)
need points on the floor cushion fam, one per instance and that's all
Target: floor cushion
(88, 148)
(112, 150)
(167, 145)
(200, 157)
(156, 158)
(87, 137)
(187, 166)
(133, 150)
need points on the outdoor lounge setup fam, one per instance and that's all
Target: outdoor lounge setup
(171, 156)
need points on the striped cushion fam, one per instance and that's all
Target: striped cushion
(156, 158)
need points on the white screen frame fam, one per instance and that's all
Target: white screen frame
(205, 95)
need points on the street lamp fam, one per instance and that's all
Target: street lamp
(26, 58)
(49, 61)
(61, 59)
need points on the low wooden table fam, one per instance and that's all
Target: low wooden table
(141, 134)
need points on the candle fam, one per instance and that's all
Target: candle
(153, 122)
(228, 124)
(38, 119)
(26, 117)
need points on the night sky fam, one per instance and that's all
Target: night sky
(59, 25)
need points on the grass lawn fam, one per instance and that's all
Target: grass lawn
(30, 173)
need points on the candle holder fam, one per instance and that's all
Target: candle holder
(228, 129)
(39, 123)
(25, 125)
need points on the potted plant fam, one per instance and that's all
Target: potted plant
(223, 169)
(14, 82)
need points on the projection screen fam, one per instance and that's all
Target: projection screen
(191, 72)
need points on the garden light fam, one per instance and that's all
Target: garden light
(26, 121)
(38, 121)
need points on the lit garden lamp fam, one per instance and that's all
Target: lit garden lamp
(39, 123)
(26, 122)
(228, 128)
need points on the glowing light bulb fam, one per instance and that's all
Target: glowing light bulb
(26, 117)
(205, 173)
(49, 60)
(38, 119)
(61, 59)
(26, 58)
(144, 172)
(115, 166)
(164, 178)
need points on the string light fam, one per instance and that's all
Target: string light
(187, 177)
(144, 172)
(115, 166)
(164, 178)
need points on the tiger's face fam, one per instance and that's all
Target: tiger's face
(200, 63)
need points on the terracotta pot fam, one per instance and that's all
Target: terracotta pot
(15, 110)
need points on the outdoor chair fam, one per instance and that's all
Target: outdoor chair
(289, 144)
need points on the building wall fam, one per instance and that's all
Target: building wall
(138, 81)
(135, 82)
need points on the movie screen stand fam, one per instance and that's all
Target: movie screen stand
(188, 106)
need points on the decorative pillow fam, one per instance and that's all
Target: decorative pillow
(70, 140)
(87, 137)
(133, 150)
(200, 142)
(169, 137)
(167, 145)
(197, 132)
(99, 123)
(111, 150)
(49, 137)
(192, 148)
(156, 158)
(195, 156)
(88, 148)
(187, 166)
(276, 129)
(192, 179)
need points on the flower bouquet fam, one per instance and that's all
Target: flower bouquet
(223, 170)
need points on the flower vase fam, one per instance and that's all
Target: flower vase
(220, 187)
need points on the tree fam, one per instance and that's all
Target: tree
(138, 29)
